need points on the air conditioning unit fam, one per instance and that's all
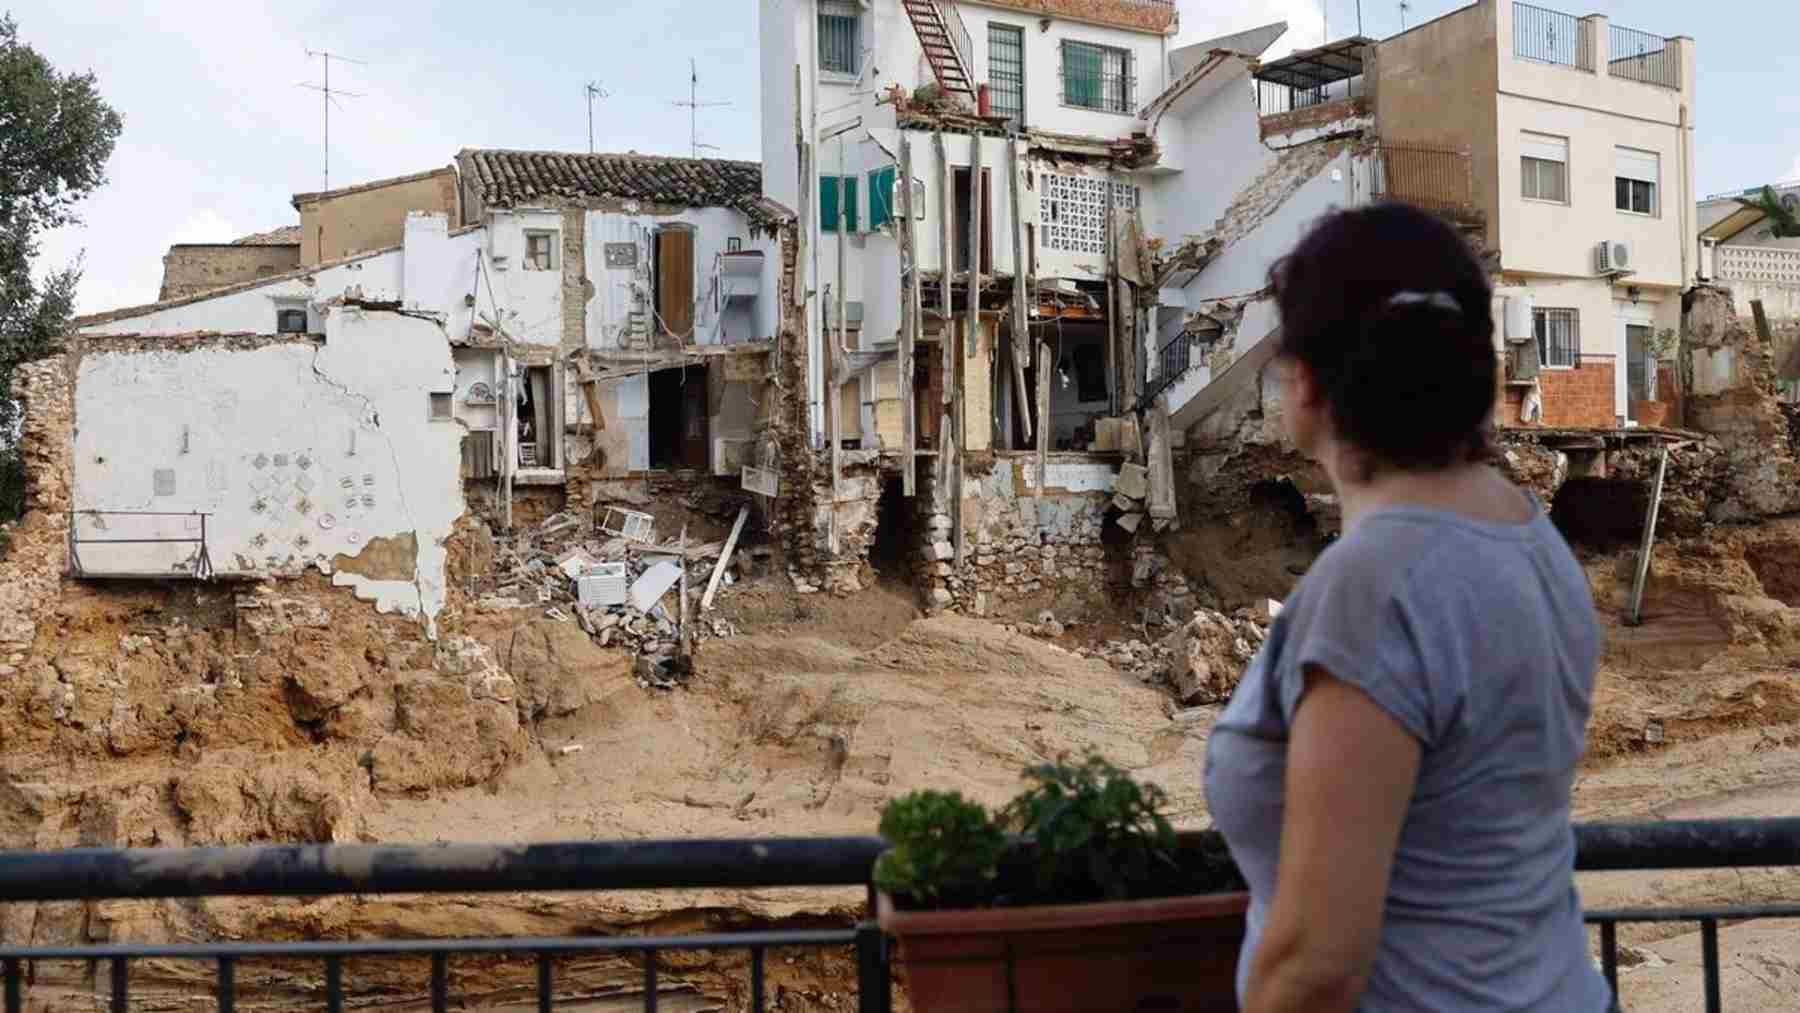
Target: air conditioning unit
(1613, 256)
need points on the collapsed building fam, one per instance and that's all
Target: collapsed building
(988, 321)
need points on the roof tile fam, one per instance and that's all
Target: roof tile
(511, 178)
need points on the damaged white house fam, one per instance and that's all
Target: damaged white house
(586, 317)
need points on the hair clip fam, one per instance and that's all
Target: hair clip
(1440, 299)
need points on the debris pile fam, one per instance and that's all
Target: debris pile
(1209, 653)
(619, 583)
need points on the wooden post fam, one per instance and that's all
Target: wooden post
(1044, 366)
(712, 585)
(1019, 337)
(1643, 561)
(909, 322)
(973, 335)
(1112, 307)
(681, 629)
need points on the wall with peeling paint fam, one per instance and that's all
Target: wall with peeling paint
(1211, 137)
(298, 452)
(620, 290)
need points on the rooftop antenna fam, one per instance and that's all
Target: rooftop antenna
(1404, 7)
(1359, 18)
(693, 106)
(593, 91)
(330, 99)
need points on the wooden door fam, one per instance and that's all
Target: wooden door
(675, 281)
(695, 419)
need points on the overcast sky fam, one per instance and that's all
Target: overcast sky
(218, 135)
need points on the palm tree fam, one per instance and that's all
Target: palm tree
(1783, 223)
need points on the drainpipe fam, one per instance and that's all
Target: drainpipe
(1687, 205)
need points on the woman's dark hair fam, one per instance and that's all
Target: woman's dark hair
(1389, 308)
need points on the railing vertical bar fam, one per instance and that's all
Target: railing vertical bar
(440, 982)
(756, 979)
(334, 984)
(649, 981)
(15, 991)
(1709, 957)
(545, 980)
(1609, 954)
(227, 984)
(874, 992)
(121, 984)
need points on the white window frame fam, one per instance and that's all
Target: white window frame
(1542, 148)
(1542, 314)
(551, 240)
(1634, 173)
(860, 52)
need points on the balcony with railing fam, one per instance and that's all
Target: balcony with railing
(520, 972)
(1160, 16)
(1312, 87)
(1437, 179)
(1542, 35)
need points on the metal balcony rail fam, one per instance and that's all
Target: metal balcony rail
(1549, 36)
(92, 874)
(1273, 97)
(1435, 178)
(959, 37)
(1640, 56)
(197, 566)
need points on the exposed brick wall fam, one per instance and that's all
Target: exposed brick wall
(1311, 117)
(188, 269)
(1581, 397)
(1148, 15)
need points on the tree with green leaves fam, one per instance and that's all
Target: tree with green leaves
(1783, 223)
(56, 134)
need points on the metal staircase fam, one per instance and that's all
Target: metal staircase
(945, 40)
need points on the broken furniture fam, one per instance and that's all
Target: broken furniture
(631, 525)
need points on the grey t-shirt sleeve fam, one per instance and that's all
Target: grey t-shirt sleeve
(1356, 623)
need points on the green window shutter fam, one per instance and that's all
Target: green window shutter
(881, 197)
(1082, 72)
(850, 201)
(828, 204)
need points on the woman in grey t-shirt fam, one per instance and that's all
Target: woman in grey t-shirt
(1393, 773)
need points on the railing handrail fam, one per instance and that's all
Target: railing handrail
(303, 870)
(959, 38)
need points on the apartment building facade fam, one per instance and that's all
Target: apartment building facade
(1581, 137)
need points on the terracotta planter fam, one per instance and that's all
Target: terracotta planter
(1169, 955)
(1651, 413)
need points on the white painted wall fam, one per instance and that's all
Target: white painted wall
(299, 452)
(1211, 138)
(1243, 268)
(531, 301)
(1044, 107)
(619, 290)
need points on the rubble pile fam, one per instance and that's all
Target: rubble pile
(622, 590)
(1200, 660)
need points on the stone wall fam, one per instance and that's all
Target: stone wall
(34, 551)
(191, 268)
(1730, 394)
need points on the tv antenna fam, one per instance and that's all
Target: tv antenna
(593, 91)
(330, 99)
(693, 106)
(1404, 7)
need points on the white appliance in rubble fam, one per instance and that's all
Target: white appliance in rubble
(602, 585)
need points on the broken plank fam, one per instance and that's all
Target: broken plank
(1021, 403)
(1043, 416)
(712, 586)
(1162, 462)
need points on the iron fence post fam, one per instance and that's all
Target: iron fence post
(874, 987)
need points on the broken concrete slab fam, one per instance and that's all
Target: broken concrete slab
(1133, 481)
(656, 581)
(1130, 521)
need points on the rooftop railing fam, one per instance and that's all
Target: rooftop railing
(1640, 56)
(1549, 36)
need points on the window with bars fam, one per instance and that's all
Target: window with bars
(1558, 337)
(840, 36)
(1096, 77)
(1006, 71)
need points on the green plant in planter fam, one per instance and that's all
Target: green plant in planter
(1087, 832)
(1095, 833)
(943, 850)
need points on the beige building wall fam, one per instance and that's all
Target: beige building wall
(189, 268)
(370, 216)
(1437, 85)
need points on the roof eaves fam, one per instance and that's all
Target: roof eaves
(127, 312)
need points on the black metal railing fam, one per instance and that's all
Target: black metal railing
(1273, 97)
(323, 870)
(197, 566)
(1173, 360)
(1436, 178)
(1549, 36)
(1640, 56)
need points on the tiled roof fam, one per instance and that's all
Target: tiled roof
(511, 178)
(287, 235)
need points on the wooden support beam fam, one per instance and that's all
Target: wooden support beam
(1642, 576)
(976, 206)
(909, 323)
(1044, 368)
(1019, 337)
(947, 248)
(1161, 502)
(712, 585)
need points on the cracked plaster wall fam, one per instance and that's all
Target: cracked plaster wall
(298, 452)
